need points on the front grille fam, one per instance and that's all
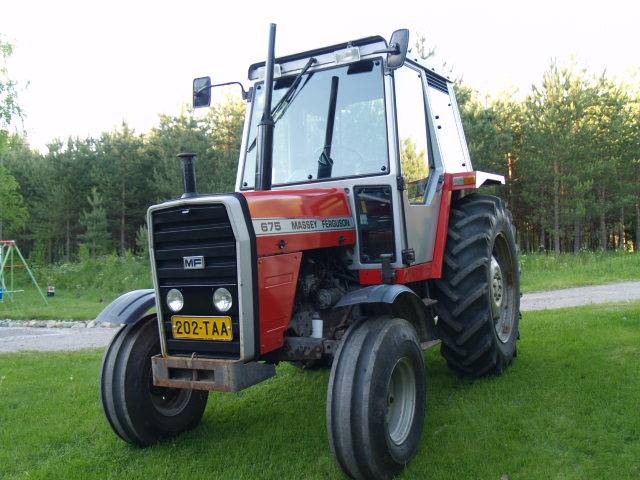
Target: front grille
(198, 230)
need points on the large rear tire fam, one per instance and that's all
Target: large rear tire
(479, 293)
(376, 398)
(139, 412)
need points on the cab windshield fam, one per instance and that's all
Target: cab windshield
(332, 126)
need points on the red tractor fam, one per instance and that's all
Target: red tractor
(355, 239)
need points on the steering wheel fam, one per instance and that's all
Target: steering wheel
(299, 174)
(361, 159)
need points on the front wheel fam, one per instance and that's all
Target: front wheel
(376, 398)
(139, 412)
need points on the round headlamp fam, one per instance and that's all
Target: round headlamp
(175, 301)
(222, 299)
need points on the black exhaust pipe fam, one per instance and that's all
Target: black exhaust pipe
(188, 174)
(264, 139)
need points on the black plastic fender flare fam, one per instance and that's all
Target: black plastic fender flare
(128, 308)
(404, 301)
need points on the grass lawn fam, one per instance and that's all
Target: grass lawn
(550, 272)
(65, 305)
(567, 409)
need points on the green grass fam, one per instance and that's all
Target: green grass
(84, 288)
(566, 409)
(63, 306)
(550, 272)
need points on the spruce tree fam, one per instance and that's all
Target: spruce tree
(96, 235)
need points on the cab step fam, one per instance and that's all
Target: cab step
(208, 374)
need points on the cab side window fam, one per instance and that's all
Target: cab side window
(412, 132)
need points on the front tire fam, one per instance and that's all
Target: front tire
(479, 294)
(376, 398)
(139, 412)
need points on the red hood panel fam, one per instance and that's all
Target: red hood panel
(324, 214)
(320, 202)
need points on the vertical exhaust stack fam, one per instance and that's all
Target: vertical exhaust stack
(264, 154)
(188, 174)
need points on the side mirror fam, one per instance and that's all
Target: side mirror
(398, 49)
(202, 92)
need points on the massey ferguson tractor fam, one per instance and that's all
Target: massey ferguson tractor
(355, 239)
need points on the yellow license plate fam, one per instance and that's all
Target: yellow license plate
(202, 328)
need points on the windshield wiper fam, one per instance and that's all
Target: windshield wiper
(325, 162)
(286, 99)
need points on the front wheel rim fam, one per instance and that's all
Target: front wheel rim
(169, 402)
(401, 401)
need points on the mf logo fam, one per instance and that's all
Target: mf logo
(193, 263)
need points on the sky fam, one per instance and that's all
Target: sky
(85, 67)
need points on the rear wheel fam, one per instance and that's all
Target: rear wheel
(376, 398)
(139, 412)
(479, 294)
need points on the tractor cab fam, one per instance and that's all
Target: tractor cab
(345, 117)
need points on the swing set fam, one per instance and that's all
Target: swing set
(11, 259)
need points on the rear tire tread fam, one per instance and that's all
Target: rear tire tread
(465, 320)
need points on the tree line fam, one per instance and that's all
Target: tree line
(570, 149)
(93, 193)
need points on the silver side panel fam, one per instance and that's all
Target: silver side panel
(458, 120)
(244, 265)
(452, 146)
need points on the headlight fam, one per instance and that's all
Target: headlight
(175, 301)
(222, 299)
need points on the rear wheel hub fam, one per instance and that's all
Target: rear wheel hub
(497, 286)
(501, 291)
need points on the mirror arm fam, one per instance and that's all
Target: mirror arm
(245, 94)
(393, 48)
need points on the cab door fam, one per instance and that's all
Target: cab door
(419, 176)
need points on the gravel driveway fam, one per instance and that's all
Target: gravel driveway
(13, 339)
(573, 297)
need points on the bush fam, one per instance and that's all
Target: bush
(107, 274)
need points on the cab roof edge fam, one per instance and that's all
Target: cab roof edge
(319, 51)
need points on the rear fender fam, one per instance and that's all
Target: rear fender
(128, 308)
(402, 301)
(474, 179)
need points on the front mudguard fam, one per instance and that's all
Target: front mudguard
(403, 302)
(129, 308)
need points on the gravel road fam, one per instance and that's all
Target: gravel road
(13, 339)
(574, 297)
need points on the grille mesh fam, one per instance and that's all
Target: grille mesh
(198, 230)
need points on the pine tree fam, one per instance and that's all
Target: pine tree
(142, 241)
(13, 214)
(96, 236)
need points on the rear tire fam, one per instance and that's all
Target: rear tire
(479, 294)
(376, 398)
(139, 412)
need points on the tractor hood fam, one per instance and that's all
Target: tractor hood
(297, 220)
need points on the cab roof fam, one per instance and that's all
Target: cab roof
(371, 44)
